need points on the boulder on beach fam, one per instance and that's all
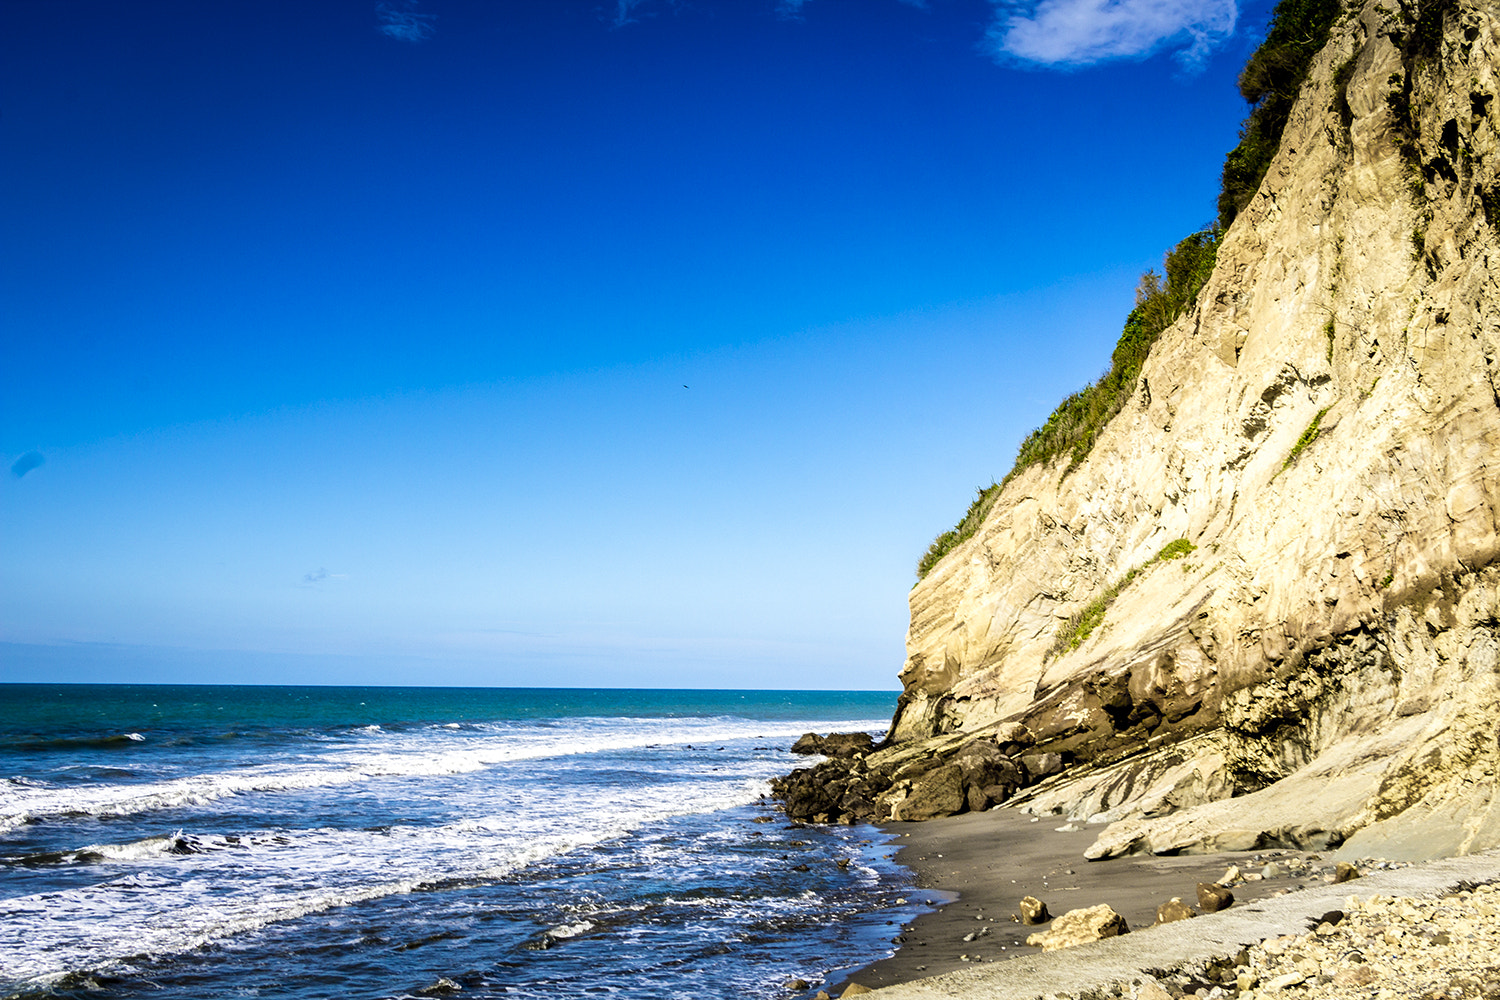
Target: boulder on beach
(1213, 897)
(1173, 910)
(854, 990)
(1080, 927)
(939, 792)
(1033, 911)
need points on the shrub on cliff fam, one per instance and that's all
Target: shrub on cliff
(1270, 81)
(1073, 427)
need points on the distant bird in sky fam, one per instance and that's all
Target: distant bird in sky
(684, 387)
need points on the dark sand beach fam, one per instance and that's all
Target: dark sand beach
(990, 860)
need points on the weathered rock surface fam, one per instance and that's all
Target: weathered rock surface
(1173, 910)
(1213, 897)
(1033, 911)
(916, 781)
(1079, 927)
(1324, 667)
(834, 744)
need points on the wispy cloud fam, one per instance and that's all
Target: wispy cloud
(26, 463)
(321, 575)
(403, 21)
(1081, 32)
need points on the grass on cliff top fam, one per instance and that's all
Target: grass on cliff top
(1082, 624)
(1074, 426)
(1270, 82)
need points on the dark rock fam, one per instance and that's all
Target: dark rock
(938, 793)
(1033, 911)
(1173, 910)
(834, 744)
(1042, 765)
(798, 985)
(1213, 897)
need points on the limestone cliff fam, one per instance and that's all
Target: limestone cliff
(1323, 427)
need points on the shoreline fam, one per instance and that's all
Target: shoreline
(986, 862)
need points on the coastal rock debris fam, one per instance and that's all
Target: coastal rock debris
(902, 783)
(1033, 911)
(1213, 897)
(1173, 910)
(1080, 927)
(834, 744)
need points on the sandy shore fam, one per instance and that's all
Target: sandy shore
(991, 860)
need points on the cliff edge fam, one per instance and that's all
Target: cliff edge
(1265, 608)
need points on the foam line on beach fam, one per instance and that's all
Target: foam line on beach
(1189, 942)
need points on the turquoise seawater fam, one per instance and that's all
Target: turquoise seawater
(233, 841)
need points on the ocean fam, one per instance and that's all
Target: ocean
(235, 841)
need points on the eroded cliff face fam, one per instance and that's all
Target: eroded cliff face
(1324, 665)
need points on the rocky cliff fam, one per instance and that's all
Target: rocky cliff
(1297, 507)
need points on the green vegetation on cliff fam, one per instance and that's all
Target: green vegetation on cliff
(1074, 426)
(1082, 625)
(1270, 81)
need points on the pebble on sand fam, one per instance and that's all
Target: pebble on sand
(1034, 911)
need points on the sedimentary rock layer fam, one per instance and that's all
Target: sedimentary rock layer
(1323, 429)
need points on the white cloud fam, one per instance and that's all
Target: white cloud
(1079, 32)
(401, 20)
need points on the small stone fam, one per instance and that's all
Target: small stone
(1282, 981)
(1034, 911)
(821, 995)
(1213, 897)
(1246, 980)
(798, 985)
(1271, 870)
(1344, 872)
(1358, 975)
(1173, 910)
(1152, 991)
(1230, 874)
(854, 990)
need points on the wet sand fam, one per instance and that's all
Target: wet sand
(992, 859)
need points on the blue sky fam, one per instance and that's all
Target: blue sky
(534, 342)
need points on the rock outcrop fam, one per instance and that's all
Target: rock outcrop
(1318, 440)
